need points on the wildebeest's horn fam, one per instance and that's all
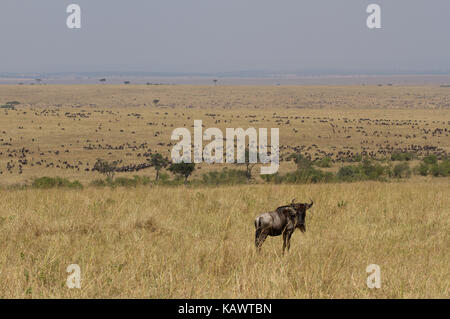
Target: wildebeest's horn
(311, 202)
(293, 201)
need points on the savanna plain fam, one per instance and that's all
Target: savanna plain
(169, 239)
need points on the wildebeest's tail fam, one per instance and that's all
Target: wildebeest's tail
(256, 223)
(257, 233)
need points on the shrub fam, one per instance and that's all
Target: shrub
(301, 177)
(225, 177)
(348, 173)
(122, 181)
(163, 177)
(357, 158)
(272, 178)
(372, 172)
(364, 171)
(445, 167)
(142, 180)
(324, 162)
(302, 162)
(430, 159)
(54, 182)
(434, 170)
(7, 106)
(441, 169)
(125, 182)
(99, 182)
(318, 176)
(401, 156)
(423, 169)
(401, 170)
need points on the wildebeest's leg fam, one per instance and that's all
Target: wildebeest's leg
(284, 240)
(288, 239)
(257, 234)
(260, 237)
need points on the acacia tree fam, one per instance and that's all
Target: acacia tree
(248, 166)
(182, 169)
(106, 168)
(158, 162)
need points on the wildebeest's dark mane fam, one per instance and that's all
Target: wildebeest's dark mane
(294, 206)
(282, 207)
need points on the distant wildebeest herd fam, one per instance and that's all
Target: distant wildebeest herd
(23, 146)
(50, 130)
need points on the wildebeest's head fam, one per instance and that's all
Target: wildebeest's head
(301, 209)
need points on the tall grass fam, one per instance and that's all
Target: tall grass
(195, 242)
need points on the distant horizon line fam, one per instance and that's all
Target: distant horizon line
(231, 74)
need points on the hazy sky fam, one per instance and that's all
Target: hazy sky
(223, 35)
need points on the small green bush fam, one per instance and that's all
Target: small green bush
(401, 170)
(423, 169)
(99, 182)
(401, 156)
(131, 182)
(163, 177)
(324, 162)
(272, 178)
(430, 159)
(431, 166)
(441, 169)
(125, 182)
(434, 170)
(372, 171)
(357, 158)
(301, 177)
(348, 173)
(445, 167)
(121, 181)
(302, 162)
(225, 177)
(364, 171)
(55, 182)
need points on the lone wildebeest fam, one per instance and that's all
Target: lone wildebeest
(284, 220)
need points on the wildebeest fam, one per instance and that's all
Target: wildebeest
(284, 220)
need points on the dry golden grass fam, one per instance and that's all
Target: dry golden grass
(156, 242)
